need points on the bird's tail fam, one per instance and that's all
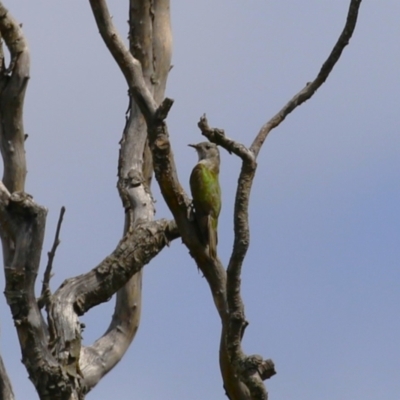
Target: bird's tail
(212, 238)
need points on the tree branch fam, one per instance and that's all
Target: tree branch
(129, 66)
(134, 251)
(45, 292)
(237, 321)
(55, 372)
(6, 392)
(311, 87)
(13, 84)
(253, 370)
(2, 59)
(232, 359)
(145, 66)
(99, 358)
(134, 178)
(23, 231)
(79, 294)
(165, 169)
(26, 222)
(218, 136)
(225, 288)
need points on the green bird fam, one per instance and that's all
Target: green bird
(206, 193)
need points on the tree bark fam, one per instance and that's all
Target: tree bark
(6, 392)
(150, 43)
(57, 363)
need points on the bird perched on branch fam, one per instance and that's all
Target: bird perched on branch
(206, 193)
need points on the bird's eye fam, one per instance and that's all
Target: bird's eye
(208, 147)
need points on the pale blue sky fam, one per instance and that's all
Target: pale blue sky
(321, 280)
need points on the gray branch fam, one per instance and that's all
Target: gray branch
(164, 168)
(6, 392)
(13, 82)
(145, 66)
(53, 354)
(311, 87)
(78, 295)
(129, 66)
(59, 366)
(252, 370)
(45, 293)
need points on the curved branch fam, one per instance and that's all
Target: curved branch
(79, 294)
(134, 178)
(102, 356)
(147, 62)
(252, 370)
(308, 91)
(134, 251)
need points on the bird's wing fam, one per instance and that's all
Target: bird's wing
(206, 191)
(212, 237)
(206, 195)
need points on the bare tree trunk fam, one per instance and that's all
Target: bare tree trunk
(60, 367)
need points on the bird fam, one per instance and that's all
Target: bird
(206, 194)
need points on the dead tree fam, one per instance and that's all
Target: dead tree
(59, 366)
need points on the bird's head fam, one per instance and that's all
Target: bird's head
(206, 150)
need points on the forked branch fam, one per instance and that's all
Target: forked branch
(253, 370)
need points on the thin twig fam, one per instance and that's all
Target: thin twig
(308, 91)
(51, 254)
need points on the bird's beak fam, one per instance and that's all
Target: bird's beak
(193, 145)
